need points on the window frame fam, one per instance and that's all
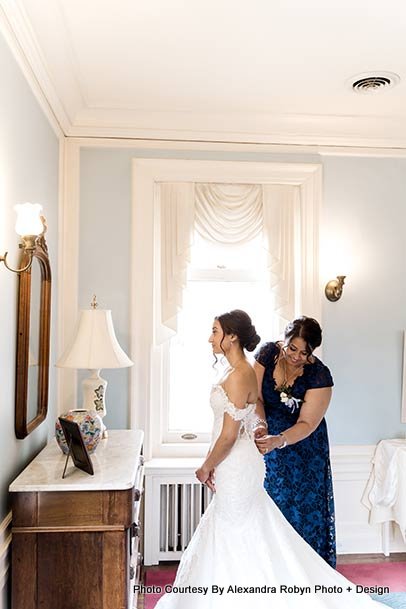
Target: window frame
(146, 383)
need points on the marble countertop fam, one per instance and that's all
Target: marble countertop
(115, 464)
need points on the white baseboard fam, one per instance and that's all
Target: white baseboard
(5, 552)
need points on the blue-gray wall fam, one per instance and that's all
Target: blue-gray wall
(29, 152)
(363, 200)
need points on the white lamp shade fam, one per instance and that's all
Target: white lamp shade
(28, 219)
(95, 345)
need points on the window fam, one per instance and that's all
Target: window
(150, 376)
(220, 278)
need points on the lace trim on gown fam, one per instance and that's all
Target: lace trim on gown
(246, 415)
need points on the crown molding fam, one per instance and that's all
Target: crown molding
(15, 27)
(63, 101)
(292, 130)
(237, 147)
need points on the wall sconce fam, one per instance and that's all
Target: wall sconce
(334, 288)
(29, 225)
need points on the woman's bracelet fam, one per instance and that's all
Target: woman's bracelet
(285, 442)
(260, 423)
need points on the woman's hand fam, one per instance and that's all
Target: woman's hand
(260, 432)
(267, 443)
(206, 476)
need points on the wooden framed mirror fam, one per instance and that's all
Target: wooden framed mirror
(33, 341)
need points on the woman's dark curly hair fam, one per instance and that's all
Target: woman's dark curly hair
(307, 329)
(239, 323)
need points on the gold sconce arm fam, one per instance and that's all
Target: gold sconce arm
(334, 288)
(25, 268)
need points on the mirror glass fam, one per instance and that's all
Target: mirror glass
(33, 348)
(33, 341)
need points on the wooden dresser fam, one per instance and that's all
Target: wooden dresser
(75, 541)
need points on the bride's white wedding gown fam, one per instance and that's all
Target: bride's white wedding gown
(243, 541)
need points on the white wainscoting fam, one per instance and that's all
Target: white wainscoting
(5, 554)
(351, 469)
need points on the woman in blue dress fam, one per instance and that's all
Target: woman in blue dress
(295, 391)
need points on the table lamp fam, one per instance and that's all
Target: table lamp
(94, 346)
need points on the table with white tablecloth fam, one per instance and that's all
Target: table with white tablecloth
(385, 494)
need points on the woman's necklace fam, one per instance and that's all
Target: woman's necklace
(286, 388)
(289, 379)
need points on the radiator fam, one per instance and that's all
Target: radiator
(174, 504)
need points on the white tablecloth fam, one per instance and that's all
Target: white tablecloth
(385, 493)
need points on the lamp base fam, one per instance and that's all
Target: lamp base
(94, 391)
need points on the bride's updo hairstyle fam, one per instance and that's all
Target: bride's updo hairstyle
(307, 329)
(239, 323)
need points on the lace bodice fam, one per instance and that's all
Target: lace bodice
(220, 403)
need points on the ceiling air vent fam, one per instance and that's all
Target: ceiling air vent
(372, 82)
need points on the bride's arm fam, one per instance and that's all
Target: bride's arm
(261, 428)
(237, 393)
(223, 444)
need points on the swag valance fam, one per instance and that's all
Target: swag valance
(229, 214)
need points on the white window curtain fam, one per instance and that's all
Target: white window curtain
(281, 240)
(176, 215)
(229, 214)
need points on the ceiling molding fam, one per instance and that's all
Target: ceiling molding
(241, 147)
(15, 26)
(303, 130)
(61, 92)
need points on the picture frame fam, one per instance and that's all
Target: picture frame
(76, 445)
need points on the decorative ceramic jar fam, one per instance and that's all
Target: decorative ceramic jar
(90, 424)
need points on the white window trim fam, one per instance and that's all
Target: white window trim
(146, 387)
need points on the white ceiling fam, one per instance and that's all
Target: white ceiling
(218, 70)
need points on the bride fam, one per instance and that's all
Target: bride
(243, 552)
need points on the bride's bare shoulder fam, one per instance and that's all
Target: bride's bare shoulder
(241, 385)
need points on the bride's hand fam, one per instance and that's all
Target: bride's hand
(210, 481)
(266, 444)
(206, 476)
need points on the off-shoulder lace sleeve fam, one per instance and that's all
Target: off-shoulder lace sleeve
(246, 416)
(235, 413)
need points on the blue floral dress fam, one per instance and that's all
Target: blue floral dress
(298, 477)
